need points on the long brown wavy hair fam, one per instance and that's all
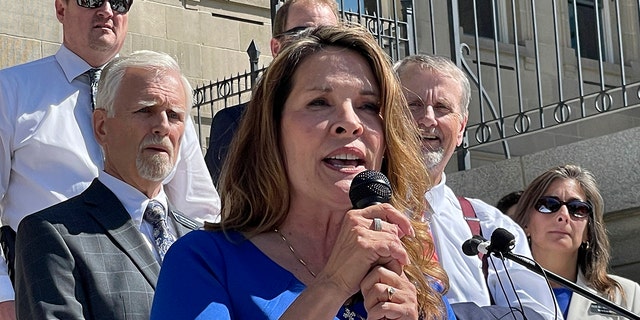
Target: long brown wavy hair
(593, 260)
(254, 187)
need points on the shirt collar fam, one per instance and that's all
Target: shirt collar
(134, 201)
(437, 191)
(72, 65)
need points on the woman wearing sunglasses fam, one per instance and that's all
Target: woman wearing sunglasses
(561, 212)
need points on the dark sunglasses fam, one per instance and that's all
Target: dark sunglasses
(295, 31)
(121, 6)
(578, 209)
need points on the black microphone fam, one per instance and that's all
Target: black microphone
(502, 241)
(369, 188)
(475, 245)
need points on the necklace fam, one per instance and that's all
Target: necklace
(348, 312)
(293, 251)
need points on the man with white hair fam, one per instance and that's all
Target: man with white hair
(47, 150)
(98, 255)
(438, 94)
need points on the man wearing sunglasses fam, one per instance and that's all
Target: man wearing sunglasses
(291, 18)
(47, 149)
(438, 94)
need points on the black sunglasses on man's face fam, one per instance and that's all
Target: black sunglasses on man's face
(293, 32)
(121, 6)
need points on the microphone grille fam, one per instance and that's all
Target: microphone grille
(369, 187)
(502, 240)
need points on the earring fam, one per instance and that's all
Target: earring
(585, 245)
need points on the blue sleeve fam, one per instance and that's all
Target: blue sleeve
(450, 314)
(189, 282)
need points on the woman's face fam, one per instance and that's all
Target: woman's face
(331, 128)
(558, 232)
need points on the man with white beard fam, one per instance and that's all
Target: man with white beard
(438, 94)
(98, 255)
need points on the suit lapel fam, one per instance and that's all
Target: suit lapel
(107, 211)
(181, 223)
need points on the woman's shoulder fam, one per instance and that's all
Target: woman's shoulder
(624, 281)
(627, 284)
(631, 292)
(206, 242)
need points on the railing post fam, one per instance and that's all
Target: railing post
(274, 8)
(254, 58)
(407, 15)
(454, 32)
(464, 157)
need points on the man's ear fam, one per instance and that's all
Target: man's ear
(99, 128)
(61, 8)
(275, 47)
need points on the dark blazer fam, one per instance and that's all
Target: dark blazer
(223, 127)
(85, 259)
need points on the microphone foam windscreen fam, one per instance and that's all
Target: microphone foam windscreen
(502, 240)
(369, 187)
(470, 247)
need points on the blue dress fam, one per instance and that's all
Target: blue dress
(206, 276)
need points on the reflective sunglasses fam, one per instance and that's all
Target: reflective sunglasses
(121, 6)
(577, 209)
(293, 32)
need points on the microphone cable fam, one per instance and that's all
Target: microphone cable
(499, 255)
(544, 274)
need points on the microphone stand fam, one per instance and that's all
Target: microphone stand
(568, 284)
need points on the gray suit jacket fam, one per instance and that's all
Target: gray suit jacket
(85, 259)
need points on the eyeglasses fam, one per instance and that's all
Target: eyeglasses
(578, 209)
(121, 6)
(295, 31)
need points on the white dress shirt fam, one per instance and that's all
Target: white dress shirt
(48, 152)
(135, 202)
(467, 282)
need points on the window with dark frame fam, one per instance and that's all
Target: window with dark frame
(484, 19)
(587, 27)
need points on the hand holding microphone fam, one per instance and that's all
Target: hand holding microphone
(385, 282)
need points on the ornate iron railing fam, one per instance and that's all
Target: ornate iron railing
(531, 63)
(394, 33)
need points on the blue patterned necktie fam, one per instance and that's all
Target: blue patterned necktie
(94, 77)
(156, 216)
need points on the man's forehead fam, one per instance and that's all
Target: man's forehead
(310, 14)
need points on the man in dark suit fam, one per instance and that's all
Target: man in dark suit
(292, 17)
(98, 254)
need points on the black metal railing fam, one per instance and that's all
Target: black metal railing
(530, 67)
(394, 32)
(210, 98)
(532, 72)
